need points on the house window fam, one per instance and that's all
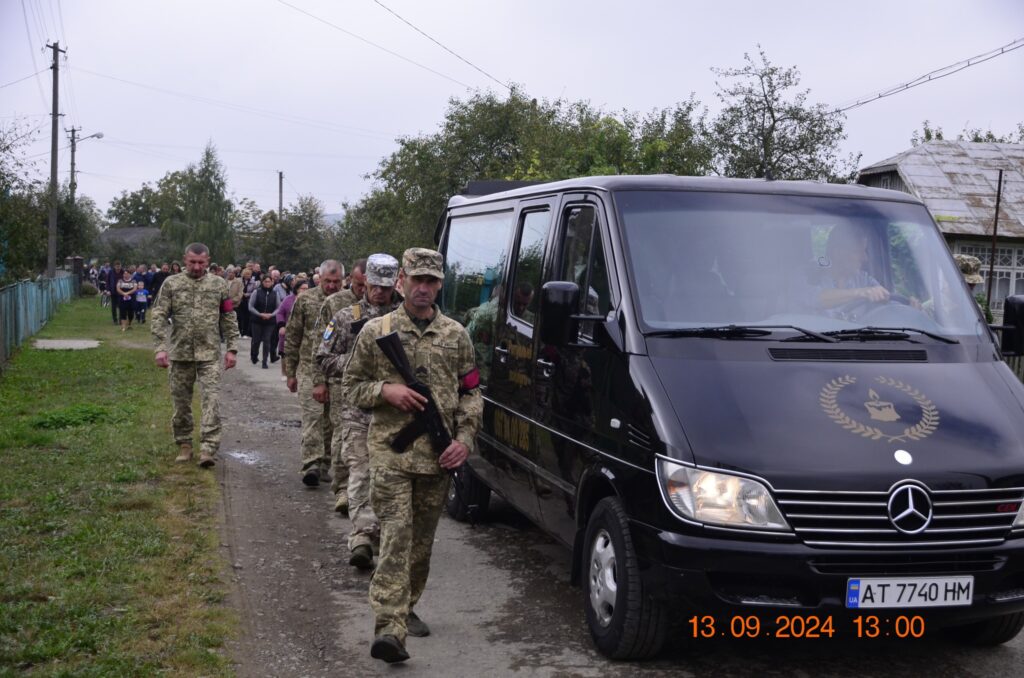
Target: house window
(1008, 271)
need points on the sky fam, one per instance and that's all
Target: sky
(296, 85)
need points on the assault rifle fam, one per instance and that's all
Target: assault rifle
(428, 420)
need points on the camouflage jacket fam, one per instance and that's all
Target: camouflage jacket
(336, 347)
(442, 358)
(328, 309)
(300, 332)
(191, 315)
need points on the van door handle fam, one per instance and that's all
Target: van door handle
(547, 368)
(502, 353)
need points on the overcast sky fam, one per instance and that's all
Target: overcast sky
(276, 89)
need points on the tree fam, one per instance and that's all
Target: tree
(765, 131)
(141, 207)
(926, 134)
(975, 134)
(299, 241)
(24, 205)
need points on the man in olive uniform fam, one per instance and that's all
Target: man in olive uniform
(195, 309)
(408, 489)
(300, 342)
(348, 447)
(331, 305)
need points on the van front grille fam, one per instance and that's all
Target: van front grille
(861, 519)
(881, 565)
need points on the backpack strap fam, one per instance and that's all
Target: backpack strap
(357, 311)
(386, 324)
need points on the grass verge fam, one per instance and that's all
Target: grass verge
(108, 551)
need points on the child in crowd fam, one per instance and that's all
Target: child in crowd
(141, 302)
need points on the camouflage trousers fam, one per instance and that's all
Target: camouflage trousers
(408, 506)
(355, 463)
(183, 376)
(339, 469)
(316, 425)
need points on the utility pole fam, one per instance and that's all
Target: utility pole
(73, 184)
(995, 232)
(280, 197)
(51, 242)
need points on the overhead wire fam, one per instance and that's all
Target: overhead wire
(284, 117)
(32, 53)
(442, 46)
(937, 74)
(15, 82)
(374, 44)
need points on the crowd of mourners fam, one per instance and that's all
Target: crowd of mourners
(262, 299)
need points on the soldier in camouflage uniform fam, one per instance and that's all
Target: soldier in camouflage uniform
(408, 490)
(343, 298)
(300, 343)
(195, 309)
(348, 448)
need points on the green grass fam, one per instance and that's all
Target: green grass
(108, 551)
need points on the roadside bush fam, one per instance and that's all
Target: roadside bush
(88, 289)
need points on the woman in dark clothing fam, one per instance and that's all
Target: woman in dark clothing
(263, 318)
(126, 287)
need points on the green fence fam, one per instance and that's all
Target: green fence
(26, 306)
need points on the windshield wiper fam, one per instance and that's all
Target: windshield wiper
(737, 332)
(887, 333)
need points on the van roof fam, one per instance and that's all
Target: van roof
(665, 182)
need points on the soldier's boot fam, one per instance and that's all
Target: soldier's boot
(325, 475)
(416, 626)
(311, 476)
(341, 503)
(206, 460)
(362, 558)
(184, 453)
(388, 648)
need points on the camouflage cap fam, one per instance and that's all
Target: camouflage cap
(421, 261)
(970, 267)
(381, 270)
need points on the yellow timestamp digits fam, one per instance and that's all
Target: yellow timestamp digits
(750, 626)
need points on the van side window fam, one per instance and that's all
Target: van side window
(523, 300)
(583, 262)
(474, 262)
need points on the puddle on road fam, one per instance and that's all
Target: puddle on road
(249, 457)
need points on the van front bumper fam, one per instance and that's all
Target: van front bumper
(724, 575)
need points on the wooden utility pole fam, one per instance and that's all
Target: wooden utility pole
(992, 255)
(51, 241)
(280, 197)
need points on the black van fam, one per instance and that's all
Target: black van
(749, 407)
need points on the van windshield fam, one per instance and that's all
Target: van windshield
(706, 259)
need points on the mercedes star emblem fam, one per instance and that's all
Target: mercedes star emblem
(910, 509)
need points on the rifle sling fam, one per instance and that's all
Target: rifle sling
(408, 435)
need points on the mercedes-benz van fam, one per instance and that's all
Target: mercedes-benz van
(749, 407)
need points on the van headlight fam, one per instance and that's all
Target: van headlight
(1019, 520)
(719, 498)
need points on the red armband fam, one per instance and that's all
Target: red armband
(469, 381)
(226, 306)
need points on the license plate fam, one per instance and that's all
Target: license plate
(877, 592)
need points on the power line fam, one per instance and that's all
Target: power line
(15, 82)
(374, 44)
(32, 53)
(445, 48)
(310, 122)
(937, 74)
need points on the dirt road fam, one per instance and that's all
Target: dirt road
(497, 601)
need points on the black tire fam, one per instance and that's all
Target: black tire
(468, 497)
(626, 623)
(990, 632)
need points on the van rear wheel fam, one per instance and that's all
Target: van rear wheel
(990, 632)
(468, 497)
(625, 621)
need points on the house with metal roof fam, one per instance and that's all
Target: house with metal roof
(957, 180)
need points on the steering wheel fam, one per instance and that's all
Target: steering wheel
(859, 307)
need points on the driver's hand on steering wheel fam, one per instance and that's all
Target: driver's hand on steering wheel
(876, 294)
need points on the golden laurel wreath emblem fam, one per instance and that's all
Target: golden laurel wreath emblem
(922, 429)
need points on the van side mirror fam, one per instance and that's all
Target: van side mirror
(1013, 326)
(558, 302)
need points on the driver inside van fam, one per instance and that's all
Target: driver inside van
(845, 283)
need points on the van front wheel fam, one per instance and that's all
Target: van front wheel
(990, 632)
(625, 621)
(468, 498)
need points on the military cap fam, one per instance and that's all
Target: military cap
(421, 261)
(970, 267)
(381, 270)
